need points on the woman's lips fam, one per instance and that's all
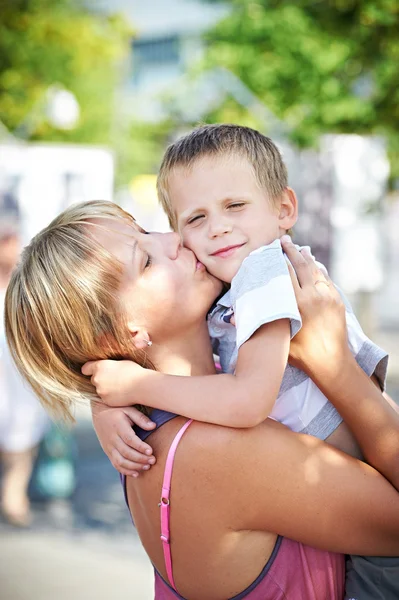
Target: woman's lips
(227, 251)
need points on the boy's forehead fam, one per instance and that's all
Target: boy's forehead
(214, 163)
(210, 178)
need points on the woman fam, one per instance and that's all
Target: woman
(93, 285)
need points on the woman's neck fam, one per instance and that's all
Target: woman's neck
(190, 354)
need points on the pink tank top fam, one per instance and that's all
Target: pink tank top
(293, 572)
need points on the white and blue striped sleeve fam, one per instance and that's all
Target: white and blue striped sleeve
(262, 292)
(370, 357)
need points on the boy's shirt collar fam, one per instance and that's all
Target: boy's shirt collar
(225, 300)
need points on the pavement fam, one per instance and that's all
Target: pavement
(82, 549)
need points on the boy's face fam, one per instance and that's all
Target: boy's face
(223, 214)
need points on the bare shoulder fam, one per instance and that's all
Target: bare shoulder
(223, 452)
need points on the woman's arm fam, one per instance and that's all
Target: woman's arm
(296, 485)
(372, 420)
(270, 479)
(321, 350)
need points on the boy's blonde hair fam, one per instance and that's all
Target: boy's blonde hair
(223, 139)
(62, 307)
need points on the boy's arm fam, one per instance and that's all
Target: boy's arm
(266, 314)
(241, 400)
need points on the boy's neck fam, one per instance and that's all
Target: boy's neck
(187, 355)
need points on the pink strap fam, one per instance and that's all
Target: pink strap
(165, 503)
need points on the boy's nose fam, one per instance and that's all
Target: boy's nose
(218, 228)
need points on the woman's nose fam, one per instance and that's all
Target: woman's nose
(172, 244)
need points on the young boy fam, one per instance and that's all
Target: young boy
(225, 190)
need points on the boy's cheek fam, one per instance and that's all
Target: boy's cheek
(201, 253)
(194, 243)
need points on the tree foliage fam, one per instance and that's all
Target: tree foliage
(319, 65)
(43, 42)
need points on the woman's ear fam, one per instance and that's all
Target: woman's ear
(140, 336)
(288, 211)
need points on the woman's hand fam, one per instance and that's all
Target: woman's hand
(113, 426)
(323, 337)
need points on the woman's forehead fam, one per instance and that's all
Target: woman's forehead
(116, 234)
(118, 225)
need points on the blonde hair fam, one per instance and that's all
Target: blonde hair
(223, 139)
(62, 308)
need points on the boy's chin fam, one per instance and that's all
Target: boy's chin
(226, 274)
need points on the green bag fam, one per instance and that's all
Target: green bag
(54, 474)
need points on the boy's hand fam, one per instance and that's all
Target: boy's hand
(113, 426)
(113, 380)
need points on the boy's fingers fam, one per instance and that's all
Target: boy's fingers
(133, 455)
(139, 418)
(120, 462)
(88, 368)
(128, 473)
(129, 438)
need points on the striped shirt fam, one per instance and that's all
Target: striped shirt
(262, 292)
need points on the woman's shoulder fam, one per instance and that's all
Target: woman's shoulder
(223, 452)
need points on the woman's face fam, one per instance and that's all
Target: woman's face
(165, 290)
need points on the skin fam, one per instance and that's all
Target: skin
(279, 481)
(219, 203)
(158, 266)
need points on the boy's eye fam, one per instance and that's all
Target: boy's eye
(193, 219)
(148, 261)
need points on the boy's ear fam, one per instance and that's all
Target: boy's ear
(139, 335)
(288, 211)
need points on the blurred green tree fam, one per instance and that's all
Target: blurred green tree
(319, 65)
(45, 42)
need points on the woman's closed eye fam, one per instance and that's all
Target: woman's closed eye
(148, 262)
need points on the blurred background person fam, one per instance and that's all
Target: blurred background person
(23, 422)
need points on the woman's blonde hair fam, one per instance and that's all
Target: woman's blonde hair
(62, 307)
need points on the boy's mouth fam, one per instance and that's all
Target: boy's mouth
(227, 251)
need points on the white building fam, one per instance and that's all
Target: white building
(167, 43)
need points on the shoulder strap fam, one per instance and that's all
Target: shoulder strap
(164, 503)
